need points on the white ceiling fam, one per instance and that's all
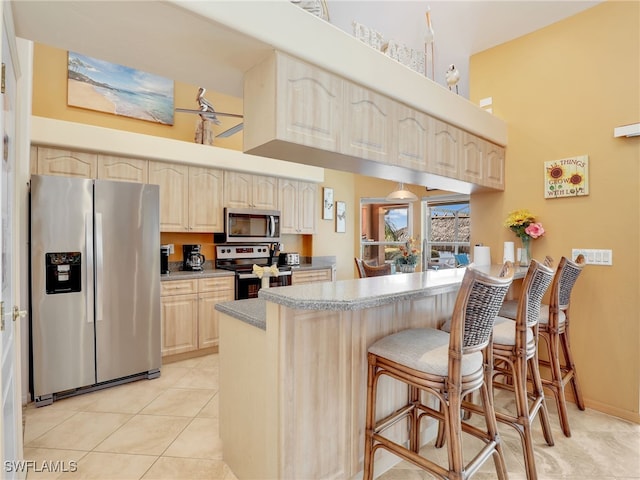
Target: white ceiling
(163, 38)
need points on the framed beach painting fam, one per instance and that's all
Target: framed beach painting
(108, 87)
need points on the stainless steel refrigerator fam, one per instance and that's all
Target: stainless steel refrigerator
(95, 284)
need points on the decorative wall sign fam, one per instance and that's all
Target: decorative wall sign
(107, 87)
(327, 203)
(341, 217)
(567, 177)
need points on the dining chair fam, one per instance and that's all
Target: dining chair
(359, 263)
(376, 270)
(448, 367)
(553, 327)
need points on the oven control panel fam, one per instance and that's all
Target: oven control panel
(224, 252)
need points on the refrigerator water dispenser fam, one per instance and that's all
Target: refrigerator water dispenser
(63, 272)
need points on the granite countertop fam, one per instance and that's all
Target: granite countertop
(187, 275)
(252, 311)
(352, 294)
(372, 292)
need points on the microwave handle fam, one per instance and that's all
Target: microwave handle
(272, 229)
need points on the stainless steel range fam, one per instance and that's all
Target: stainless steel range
(242, 258)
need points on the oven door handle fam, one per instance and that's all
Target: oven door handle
(245, 276)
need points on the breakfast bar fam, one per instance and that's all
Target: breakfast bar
(293, 369)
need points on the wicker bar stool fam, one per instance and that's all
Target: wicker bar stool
(449, 367)
(554, 330)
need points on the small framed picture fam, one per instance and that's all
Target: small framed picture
(327, 203)
(341, 217)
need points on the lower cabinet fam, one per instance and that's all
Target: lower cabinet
(189, 317)
(299, 277)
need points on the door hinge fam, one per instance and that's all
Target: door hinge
(2, 311)
(2, 80)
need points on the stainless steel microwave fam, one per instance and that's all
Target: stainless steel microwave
(251, 225)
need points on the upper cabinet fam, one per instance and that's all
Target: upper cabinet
(123, 169)
(244, 190)
(299, 112)
(190, 197)
(53, 161)
(298, 201)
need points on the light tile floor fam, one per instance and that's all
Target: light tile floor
(167, 428)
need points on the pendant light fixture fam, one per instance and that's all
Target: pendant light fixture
(401, 195)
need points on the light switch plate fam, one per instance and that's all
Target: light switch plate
(594, 256)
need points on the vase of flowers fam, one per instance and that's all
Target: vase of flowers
(409, 256)
(523, 224)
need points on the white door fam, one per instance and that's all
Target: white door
(11, 431)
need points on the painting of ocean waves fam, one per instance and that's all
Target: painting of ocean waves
(108, 87)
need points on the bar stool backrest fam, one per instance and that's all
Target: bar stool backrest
(566, 277)
(535, 285)
(477, 304)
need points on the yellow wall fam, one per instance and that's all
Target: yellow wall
(50, 100)
(562, 90)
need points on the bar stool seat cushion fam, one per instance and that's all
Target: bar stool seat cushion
(504, 332)
(510, 308)
(425, 350)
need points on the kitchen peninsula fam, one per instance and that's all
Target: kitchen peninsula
(293, 370)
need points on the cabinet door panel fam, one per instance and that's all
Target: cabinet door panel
(311, 113)
(367, 128)
(174, 201)
(265, 192)
(179, 324)
(472, 159)
(308, 195)
(445, 157)
(52, 161)
(123, 169)
(494, 167)
(311, 276)
(411, 135)
(237, 189)
(288, 199)
(205, 199)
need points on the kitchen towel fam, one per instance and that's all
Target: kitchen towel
(508, 255)
(481, 255)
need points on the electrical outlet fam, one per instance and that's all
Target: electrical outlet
(594, 256)
(172, 249)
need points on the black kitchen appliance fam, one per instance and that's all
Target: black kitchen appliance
(241, 259)
(164, 259)
(192, 259)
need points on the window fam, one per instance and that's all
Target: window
(384, 227)
(447, 230)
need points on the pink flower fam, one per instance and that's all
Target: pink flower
(534, 230)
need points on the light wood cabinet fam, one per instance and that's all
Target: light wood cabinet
(244, 190)
(210, 292)
(190, 197)
(472, 159)
(206, 187)
(298, 202)
(53, 161)
(412, 135)
(494, 166)
(294, 110)
(308, 107)
(189, 317)
(33, 160)
(299, 277)
(123, 169)
(179, 314)
(446, 153)
(367, 124)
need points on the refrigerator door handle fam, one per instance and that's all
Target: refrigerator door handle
(89, 281)
(99, 278)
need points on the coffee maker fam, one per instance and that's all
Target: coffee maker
(192, 259)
